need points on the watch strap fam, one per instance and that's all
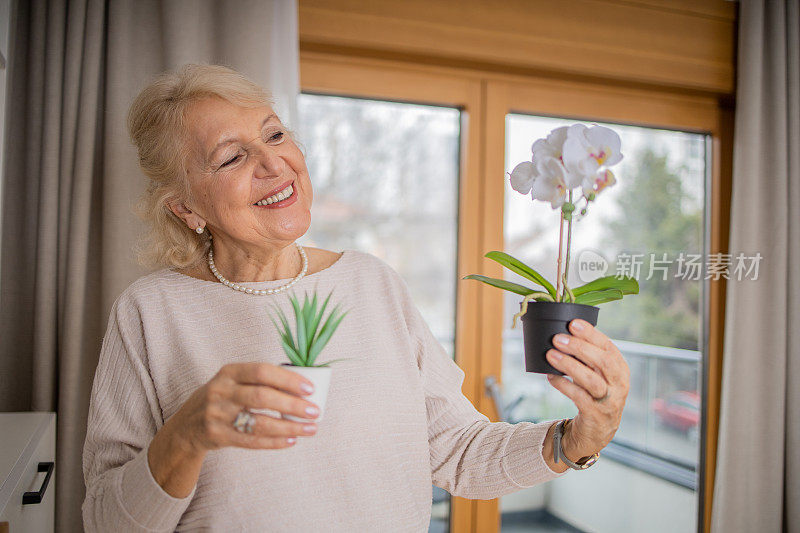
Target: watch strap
(558, 451)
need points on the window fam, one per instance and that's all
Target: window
(385, 178)
(656, 448)
(653, 214)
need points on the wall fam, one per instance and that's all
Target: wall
(684, 44)
(652, 504)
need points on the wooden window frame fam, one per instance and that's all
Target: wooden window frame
(485, 98)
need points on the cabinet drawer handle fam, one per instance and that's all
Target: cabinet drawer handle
(36, 497)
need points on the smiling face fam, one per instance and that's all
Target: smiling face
(238, 157)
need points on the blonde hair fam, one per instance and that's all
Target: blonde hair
(156, 124)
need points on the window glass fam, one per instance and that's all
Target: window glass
(653, 216)
(385, 180)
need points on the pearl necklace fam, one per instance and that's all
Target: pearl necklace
(259, 292)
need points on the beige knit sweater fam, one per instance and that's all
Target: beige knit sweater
(395, 420)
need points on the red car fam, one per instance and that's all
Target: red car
(679, 410)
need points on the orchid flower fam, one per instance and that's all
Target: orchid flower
(522, 177)
(551, 146)
(569, 157)
(551, 183)
(586, 151)
(604, 178)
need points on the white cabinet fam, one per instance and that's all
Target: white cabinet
(27, 472)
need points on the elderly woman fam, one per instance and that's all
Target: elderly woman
(191, 348)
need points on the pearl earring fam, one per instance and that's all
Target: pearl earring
(199, 230)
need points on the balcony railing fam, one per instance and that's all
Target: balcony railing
(659, 432)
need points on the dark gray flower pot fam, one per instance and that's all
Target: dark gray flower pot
(541, 322)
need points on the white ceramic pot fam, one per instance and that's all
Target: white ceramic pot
(320, 376)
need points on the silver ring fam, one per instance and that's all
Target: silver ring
(244, 422)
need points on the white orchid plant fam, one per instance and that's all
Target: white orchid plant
(569, 166)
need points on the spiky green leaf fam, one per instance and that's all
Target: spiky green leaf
(325, 324)
(285, 337)
(311, 320)
(302, 340)
(293, 356)
(318, 318)
(285, 340)
(287, 332)
(306, 310)
(325, 333)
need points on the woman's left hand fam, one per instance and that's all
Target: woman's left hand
(599, 386)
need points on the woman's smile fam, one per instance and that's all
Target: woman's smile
(283, 197)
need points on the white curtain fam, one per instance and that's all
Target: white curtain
(71, 178)
(257, 37)
(757, 485)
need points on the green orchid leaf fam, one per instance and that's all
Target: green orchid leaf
(325, 334)
(598, 297)
(626, 284)
(502, 284)
(517, 266)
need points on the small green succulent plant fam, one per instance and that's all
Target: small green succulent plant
(311, 333)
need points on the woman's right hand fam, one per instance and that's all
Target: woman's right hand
(206, 419)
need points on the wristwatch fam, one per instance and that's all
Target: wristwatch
(583, 463)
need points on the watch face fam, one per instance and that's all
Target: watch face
(592, 460)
